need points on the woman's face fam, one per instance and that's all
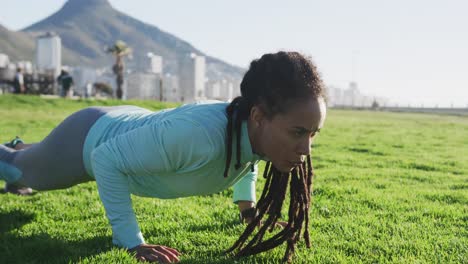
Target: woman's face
(286, 139)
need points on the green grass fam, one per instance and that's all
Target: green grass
(389, 188)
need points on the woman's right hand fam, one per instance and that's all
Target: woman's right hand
(155, 253)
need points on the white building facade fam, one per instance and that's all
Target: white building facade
(192, 71)
(4, 60)
(144, 86)
(171, 89)
(153, 63)
(49, 53)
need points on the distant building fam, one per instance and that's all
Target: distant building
(213, 89)
(83, 76)
(6, 74)
(26, 66)
(352, 94)
(49, 53)
(235, 88)
(171, 90)
(351, 97)
(153, 64)
(4, 60)
(192, 70)
(224, 90)
(335, 96)
(144, 86)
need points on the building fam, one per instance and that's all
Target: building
(213, 89)
(6, 73)
(143, 86)
(82, 76)
(26, 66)
(171, 91)
(335, 96)
(153, 64)
(351, 97)
(224, 89)
(352, 94)
(236, 91)
(4, 60)
(49, 53)
(192, 71)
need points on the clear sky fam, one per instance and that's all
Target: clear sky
(411, 51)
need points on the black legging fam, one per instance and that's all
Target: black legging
(57, 161)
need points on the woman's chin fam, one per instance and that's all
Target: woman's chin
(286, 169)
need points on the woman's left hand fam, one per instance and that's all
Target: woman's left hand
(155, 253)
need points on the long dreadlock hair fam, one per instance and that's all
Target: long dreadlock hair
(274, 82)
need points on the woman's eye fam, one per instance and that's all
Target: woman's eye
(301, 133)
(298, 133)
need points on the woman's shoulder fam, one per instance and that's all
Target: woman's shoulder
(207, 106)
(206, 121)
(212, 114)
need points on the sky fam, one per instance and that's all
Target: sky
(414, 52)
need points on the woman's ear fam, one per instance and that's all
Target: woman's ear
(256, 115)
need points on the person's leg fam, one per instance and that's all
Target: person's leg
(8, 172)
(21, 146)
(15, 188)
(57, 161)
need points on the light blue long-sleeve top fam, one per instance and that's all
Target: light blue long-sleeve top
(167, 154)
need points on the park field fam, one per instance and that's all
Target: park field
(388, 188)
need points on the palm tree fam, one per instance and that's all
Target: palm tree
(119, 50)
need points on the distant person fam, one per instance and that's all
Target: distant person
(18, 82)
(88, 89)
(195, 149)
(65, 81)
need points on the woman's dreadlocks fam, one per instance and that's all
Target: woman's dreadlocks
(274, 82)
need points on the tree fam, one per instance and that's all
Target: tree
(119, 50)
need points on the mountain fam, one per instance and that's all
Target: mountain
(87, 27)
(17, 45)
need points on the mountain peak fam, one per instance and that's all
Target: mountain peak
(77, 5)
(73, 9)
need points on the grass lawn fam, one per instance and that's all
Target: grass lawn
(389, 188)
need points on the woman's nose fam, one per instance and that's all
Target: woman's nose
(304, 146)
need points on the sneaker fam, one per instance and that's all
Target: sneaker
(18, 189)
(13, 187)
(12, 144)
